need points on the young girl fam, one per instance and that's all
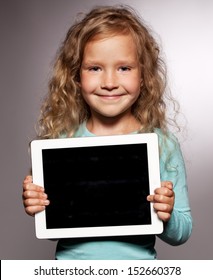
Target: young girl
(109, 79)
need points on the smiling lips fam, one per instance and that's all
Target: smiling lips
(110, 96)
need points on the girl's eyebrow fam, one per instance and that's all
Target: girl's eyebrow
(119, 62)
(90, 62)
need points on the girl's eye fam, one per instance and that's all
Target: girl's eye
(95, 68)
(124, 68)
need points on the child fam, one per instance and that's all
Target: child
(109, 79)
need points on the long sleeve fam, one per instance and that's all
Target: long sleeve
(178, 229)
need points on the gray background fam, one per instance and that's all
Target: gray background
(30, 33)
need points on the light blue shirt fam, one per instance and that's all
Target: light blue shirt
(176, 231)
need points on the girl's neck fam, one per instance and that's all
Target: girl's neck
(110, 126)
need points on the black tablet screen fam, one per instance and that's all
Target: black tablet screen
(97, 186)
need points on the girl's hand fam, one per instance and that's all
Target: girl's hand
(34, 198)
(163, 200)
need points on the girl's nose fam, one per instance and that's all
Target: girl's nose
(109, 81)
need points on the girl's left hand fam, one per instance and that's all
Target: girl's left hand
(163, 200)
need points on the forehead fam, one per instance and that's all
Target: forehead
(119, 44)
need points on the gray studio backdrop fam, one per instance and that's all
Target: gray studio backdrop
(30, 35)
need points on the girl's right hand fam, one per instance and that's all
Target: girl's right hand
(34, 198)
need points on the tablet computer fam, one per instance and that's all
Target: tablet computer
(97, 186)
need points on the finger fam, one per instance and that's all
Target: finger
(28, 179)
(167, 184)
(161, 199)
(164, 191)
(163, 207)
(32, 210)
(35, 202)
(164, 216)
(32, 187)
(163, 203)
(34, 194)
(150, 198)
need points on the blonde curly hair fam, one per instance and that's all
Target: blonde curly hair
(64, 109)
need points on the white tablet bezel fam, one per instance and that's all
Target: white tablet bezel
(151, 139)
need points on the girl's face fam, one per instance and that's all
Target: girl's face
(110, 76)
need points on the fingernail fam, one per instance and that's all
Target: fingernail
(46, 202)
